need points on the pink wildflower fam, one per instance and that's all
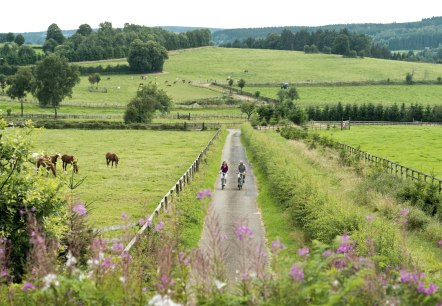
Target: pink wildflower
(277, 247)
(28, 286)
(124, 216)
(404, 212)
(202, 194)
(303, 251)
(79, 209)
(296, 273)
(427, 291)
(242, 232)
(369, 218)
(159, 226)
(118, 247)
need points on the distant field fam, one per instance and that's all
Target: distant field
(150, 163)
(203, 65)
(386, 94)
(417, 147)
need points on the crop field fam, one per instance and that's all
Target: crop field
(384, 94)
(417, 147)
(150, 163)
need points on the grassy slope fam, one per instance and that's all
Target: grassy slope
(150, 163)
(339, 183)
(417, 147)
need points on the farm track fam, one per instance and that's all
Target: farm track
(235, 207)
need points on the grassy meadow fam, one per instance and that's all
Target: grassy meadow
(383, 94)
(150, 163)
(417, 147)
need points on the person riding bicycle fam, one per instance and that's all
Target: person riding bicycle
(242, 169)
(224, 169)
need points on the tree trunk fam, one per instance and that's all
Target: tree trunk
(21, 106)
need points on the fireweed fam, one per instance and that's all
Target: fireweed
(158, 271)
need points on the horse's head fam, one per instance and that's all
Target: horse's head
(75, 165)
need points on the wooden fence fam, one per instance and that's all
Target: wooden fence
(168, 198)
(325, 125)
(392, 167)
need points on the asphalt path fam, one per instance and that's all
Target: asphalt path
(235, 208)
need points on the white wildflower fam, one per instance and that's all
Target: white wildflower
(71, 260)
(50, 279)
(159, 300)
(219, 285)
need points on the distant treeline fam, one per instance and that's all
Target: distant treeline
(419, 35)
(376, 112)
(342, 42)
(88, 45)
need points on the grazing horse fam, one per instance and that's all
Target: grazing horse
(46, 163)
(112, 157)
(69, 159)
(53, 158)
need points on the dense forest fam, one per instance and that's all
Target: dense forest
(419, 35)
(342, 42)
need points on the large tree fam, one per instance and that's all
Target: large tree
(241, 84)
(19, 39)
(55, 33)
(54, 80)
(248, 108)
(19, 85)
(147, 101)
(146, 57)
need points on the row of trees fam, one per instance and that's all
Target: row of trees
(342, 42)
(376, 112)
(15, 55)
(108, 42)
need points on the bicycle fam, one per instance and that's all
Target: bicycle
(240, 180)
(223, 180)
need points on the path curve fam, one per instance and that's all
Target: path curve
(234, 207)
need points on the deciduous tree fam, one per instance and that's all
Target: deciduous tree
(19, 85)
(54, 80)
(146, 57)
(147, 101)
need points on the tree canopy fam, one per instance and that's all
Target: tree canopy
(147, 101)
(146, 57)
(54, 80)
(20, 84)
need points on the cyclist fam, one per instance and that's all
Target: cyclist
(242, 169)
(224, 169)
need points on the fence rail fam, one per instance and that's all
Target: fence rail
(175, 190)
(321, 125)
(392, 167)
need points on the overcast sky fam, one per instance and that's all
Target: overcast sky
(37, 15)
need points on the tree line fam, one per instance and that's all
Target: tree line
(376, 112)
(105, 43)
(341, 42)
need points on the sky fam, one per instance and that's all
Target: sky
(36, 15)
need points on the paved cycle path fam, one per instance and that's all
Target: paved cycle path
(236, 207)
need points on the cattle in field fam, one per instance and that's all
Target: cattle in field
(69, 160)
(112, 158)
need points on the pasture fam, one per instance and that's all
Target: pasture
(383, 94)
(417, 147)
(150, 163)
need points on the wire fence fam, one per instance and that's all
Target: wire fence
(167, 199)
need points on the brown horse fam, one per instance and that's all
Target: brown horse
(69, 159)
(112, 157)
(46, 163)
(53, 158)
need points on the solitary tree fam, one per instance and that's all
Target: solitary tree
(230, 82)
(257, 94)
(241, 84)
(147, 100)
(54, 80)
(248, 108)
(97, 79)
(55, 33)
(19, 39)
(146, 56)
(19, 85)
(92, 79)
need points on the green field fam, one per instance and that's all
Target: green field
(150, 164)
(384, 94)
(417, 147)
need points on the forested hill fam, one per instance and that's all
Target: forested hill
(395, 36)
